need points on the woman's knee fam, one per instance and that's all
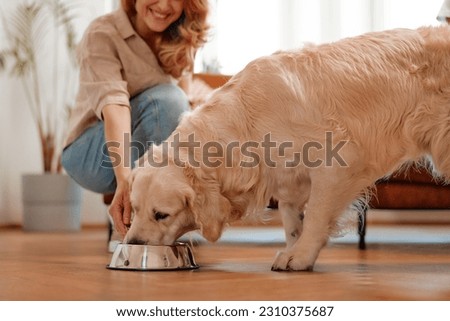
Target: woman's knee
(156, 112)
(172, 95)
(100, 180)
(170, 99)
(86, 161)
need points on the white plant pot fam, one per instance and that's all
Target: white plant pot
(51, 203)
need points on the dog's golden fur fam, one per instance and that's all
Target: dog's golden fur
(386, 95)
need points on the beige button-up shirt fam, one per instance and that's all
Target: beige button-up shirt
(115, 64)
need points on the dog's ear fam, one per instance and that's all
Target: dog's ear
(132, 176)
(211, 209)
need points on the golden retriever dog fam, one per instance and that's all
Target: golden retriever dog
(313, 128)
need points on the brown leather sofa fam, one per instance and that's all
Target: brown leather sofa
(414, 188)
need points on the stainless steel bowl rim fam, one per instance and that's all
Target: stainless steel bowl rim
(132, 257)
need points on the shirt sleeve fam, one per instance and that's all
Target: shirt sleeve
(101, 78)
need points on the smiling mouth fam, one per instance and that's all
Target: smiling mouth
(158, 15)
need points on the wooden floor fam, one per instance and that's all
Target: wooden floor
(72, 266)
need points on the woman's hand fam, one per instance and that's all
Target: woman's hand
(120, 208)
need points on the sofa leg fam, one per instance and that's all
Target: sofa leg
(362, 228)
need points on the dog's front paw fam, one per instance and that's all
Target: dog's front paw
(285, 261)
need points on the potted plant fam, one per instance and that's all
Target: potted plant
(41, 54)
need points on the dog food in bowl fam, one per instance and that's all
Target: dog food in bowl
(153, 257)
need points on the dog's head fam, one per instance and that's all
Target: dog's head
(169, 201)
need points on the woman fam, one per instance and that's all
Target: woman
(130, 61)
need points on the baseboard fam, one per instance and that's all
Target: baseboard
(83, 226)
(10, 226)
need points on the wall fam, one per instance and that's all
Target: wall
(247, 29)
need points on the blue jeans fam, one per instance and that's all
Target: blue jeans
(155, 114)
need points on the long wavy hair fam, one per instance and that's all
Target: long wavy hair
(176, 46)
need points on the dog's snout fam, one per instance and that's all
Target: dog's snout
(135, 241)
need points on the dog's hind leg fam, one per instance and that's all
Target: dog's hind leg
(332, 191)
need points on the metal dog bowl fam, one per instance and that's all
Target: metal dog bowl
(153, 257)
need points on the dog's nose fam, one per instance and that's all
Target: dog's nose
(135, 241)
